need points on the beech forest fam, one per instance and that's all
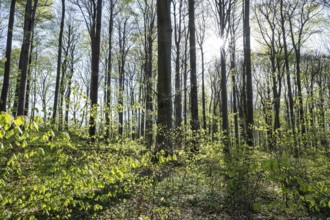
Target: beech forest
(165, 109)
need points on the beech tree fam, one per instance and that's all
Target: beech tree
(178, 17)
(29, 21)
(148, 9)
(193, 67)
(248, 73)
(112, 5)
(201, 37)
(124, 46)
(267, 16)
(164, 120)
(223, 12)
(92, 13)
(301, 14)
(59, 62)
(5, 85)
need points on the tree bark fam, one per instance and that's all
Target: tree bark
(59, 62)
(248, 74)
(193, 74)
(109, 73)
(5, 85)
(95, 33)
(29, 76)
(149, 26)
(121, 63)
(164, 121)
(178, 84)
(29, 18)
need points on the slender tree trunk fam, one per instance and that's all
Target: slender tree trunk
(185, 78)
(224, 101)
(29, 76)
(62, 89)
(193, 71)
(200, 41)
(223, 11)
(149, 97)
(277, 104)
(287, 69)
(122, 63)
(300, 98)
(178, 85)
(234, 89)
(59, 62)
(149, 17)
(248, 74)
(203, 89)
(5, 85)
(121, 100)
(142, 98)
(109, 73)
(71, 47)
(178, 88)
(68, 95)
(95, 44)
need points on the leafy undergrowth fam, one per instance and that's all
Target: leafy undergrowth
(48, 175)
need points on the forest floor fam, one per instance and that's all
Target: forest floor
(47, 175)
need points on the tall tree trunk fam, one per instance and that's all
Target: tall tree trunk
(109, 72)
(224, 101)
(185, 78)
(164, 121)
(121, 64)
(59, 62)
(142, 113)
(223, 14)
(193, 74)
(233, 79)
(5, 85)
(300, 98)
(95, 44)
(62, 88)
(29, 20)
(178, 86)
(71, 44)
(29, 76)
(200, 42)
(288, 79)
(149, 17)
(68, 94)
(248, 73)
(121, 100)
(149, 96)
(203, 89)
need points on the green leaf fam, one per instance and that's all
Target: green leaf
(9, 134)
(24, 144)
(19, 120)
(323, 203)
(97, 207)
(312, 201)
(2, 133)
(35, 126)
(8, 118)
(41, 151)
